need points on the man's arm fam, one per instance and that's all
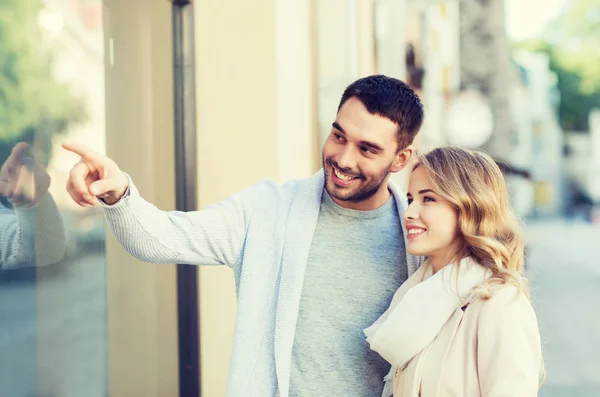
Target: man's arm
(215, 235)
(212, 236)
(31, 228)
(32, 236)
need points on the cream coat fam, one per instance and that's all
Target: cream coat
(487, 348)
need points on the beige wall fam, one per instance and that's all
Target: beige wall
(365, 37)
(337, 56)
(142, 304)
(390, 36)
(295, 52)
(255, 120)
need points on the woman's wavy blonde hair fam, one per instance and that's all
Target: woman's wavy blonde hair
(473, 183)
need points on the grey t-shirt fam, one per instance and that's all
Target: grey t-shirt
(357, 261)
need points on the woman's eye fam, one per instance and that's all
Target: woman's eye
(410, 201)
(427, 198)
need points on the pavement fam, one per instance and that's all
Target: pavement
(564, 272)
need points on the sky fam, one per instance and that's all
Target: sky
(525, 19)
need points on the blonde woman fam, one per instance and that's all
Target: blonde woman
(462, 325)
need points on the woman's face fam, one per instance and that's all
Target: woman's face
(431, 222)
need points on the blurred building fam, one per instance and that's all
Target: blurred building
(433, 32)
(538, 141)
(582, 185)
(593, 177)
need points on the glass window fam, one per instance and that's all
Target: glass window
(52, 277)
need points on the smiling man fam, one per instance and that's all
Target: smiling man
(366, 144)
(315, 260)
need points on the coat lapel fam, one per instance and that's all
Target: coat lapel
(434, 369)
(409, 381)
(302, 221)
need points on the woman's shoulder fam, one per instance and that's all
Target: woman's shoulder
(506, 294)
(505, 303)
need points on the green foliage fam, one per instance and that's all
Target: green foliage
(576, 33)
(572, 43)
(34, 106)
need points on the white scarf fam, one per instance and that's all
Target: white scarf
(420, 308)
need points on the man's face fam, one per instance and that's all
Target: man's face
(359, 154)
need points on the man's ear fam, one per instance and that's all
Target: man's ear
(402, 158)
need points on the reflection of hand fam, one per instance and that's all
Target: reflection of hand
(95, 176)
(21, 181)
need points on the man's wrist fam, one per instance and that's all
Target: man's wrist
(115, 199)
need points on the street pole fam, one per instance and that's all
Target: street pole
(186, 184)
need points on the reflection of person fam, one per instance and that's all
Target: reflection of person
(31, 229)
(311, 268)
(462, 324)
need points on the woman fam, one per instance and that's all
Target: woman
(462, 325)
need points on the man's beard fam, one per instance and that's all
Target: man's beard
(362, 192)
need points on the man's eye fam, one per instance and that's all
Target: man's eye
(338, 137)
(367, 150)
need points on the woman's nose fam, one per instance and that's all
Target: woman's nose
(411, 212)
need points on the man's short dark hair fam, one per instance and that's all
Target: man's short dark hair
(390, 98)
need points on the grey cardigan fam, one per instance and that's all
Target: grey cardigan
(264, 234)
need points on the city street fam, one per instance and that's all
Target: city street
(564, 272)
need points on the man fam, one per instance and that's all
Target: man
(315, 260)
(31, 228)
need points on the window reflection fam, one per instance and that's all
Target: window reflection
(31, 230)
(52, 264)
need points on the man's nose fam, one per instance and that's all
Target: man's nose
(347, 159)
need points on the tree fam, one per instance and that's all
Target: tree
(485, 65)
(34, 106)
(576, 33)
(572, 42)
